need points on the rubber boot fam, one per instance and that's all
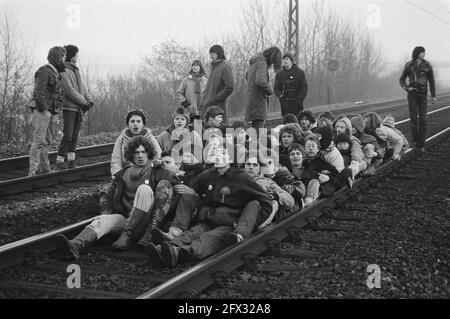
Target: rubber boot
(124, 241)
(73, 247)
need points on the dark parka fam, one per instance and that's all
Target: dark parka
(258, 89)
(291, 88)
(219, 87)
(48, 94)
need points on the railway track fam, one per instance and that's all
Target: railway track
(20, 164)
(109, 274)
(102, 169)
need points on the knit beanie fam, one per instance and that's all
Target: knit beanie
(181, 111)
(358, 123)
(389, 122)
(342, 138)
(326, 134)
(139, 112)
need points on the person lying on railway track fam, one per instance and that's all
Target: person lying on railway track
(180, 137)
(136, 120)
(308, 123)
(281, 199)
(228, 193)
(136, 201)
(321, 177)
(357, 163)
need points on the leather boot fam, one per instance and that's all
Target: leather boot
(73, 247)
(163, 198)
(124, 241)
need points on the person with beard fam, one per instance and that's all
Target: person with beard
(46, 104)
(290, 86)
(220, 83)
(141, 196)
(136, 120)
(420, 73)
(259, 88)
(77, 102)
(190, 91)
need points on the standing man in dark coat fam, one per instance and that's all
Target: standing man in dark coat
(220, 83)
(419, 72)
(290, 86)
(47, 98)
(259, 88)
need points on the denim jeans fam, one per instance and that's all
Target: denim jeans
(45, 127)
(418, 118)
(72, 125)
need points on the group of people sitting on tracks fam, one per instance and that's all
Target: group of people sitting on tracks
(200, 186)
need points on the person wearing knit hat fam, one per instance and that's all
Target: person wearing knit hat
(420, 73)
(220, 82)
(136, 120)
(46, 104)
(259, 87)
(344, 144)
(77, 101)
(179, 131)
(213, 116)
(191, 89)
(290, 86)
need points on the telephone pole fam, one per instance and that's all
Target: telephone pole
(293, 28)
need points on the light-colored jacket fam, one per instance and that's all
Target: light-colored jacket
(285, 199)
(334, 157)
(75, 91)
(395, 141)
(118, 160)
(186, 91)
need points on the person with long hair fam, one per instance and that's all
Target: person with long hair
(191, 89)
(259, 87)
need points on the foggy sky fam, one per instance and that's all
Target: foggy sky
(120, 32)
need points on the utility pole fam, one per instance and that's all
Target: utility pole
(293, 28)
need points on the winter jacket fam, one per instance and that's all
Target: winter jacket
(153, 176)
(284, 198)
(419, 76)
(234, 190)
(291, 88)
(219, 87)
(258, 89)
(48, 94)
(334, 157)
(316, 165)
(75, 92)
(118, 160)
(186, 91)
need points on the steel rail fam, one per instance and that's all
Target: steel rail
(24, 184)
(22, 162)
(216, 268)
